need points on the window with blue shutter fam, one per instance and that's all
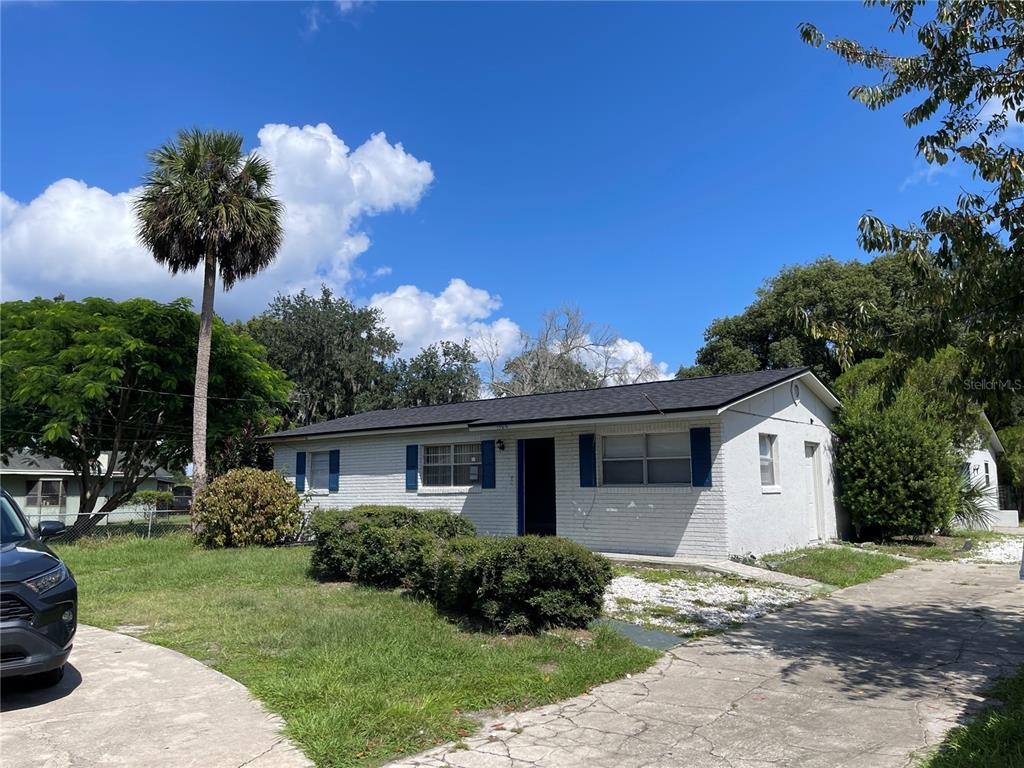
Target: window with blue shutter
(700, 450)
(300, 471)
(334, 470)
(487, 470)
(588, 460)
(412, 461)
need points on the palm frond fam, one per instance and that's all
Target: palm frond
(974, 504)
(203, 195)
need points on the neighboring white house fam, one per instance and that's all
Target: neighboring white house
(46, 490)
(702, 467)
(981, 468)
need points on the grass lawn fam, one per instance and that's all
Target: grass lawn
(360, 675)
(994, 739)
(838, 566)
(934, 547)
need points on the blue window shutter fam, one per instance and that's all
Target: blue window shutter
(487, 462)
(412, 465)
(300, 471)
(588, 460)
(700, 456)
(334, 470)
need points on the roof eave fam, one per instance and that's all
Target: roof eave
(479, 426)
(993, 438)
(814, 383)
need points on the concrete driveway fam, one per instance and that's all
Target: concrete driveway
(124, 702)
(868, 677)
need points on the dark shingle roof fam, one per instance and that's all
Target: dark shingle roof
(24, 462)
(673, 396)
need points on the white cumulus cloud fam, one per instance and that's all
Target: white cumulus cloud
(459, 312)
(80, 240)
(635, 363)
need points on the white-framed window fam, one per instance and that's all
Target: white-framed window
(319, 471)
(452, 464)
(768, 446)
(46, 494)
(988, 477)
(656, 459)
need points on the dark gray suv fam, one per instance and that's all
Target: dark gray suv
(38, 600)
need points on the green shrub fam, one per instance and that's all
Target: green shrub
(449, 574)
(379, 545)
(530, 582)
(158, 499)
(516, 584)
(896, 470)
(246, 507)
(440, 522)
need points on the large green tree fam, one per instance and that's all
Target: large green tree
(440, 373)
(336, 354)
(771, 333)
(81, 380)
(205, 203)
(961, 77)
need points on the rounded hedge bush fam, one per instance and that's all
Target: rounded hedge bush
(515, 584)
(529, 582)
(378, 545)
(244, 508)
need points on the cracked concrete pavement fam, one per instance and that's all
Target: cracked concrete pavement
(872, 676)
(124, 702)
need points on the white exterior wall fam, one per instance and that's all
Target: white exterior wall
(764, 520)
(646, 520)
(976, 461)
(18, 486)
(372, 471)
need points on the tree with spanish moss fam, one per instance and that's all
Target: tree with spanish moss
(206, 203)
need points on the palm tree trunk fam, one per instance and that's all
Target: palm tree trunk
(203, 376)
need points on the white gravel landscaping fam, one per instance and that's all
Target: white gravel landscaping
(1006, 550)
(691, 604)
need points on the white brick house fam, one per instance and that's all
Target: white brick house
(702, 467)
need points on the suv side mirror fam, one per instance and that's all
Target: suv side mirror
(50, 528)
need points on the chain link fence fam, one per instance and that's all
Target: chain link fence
(145, 521)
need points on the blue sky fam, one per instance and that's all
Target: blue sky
(652, 163)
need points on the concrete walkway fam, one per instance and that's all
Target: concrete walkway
(124, 702)
(868, 677)
(722, 566)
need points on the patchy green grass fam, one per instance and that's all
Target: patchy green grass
(360, 675)
(838, 566)
(940, 548)
(666, 575)
(994, 739)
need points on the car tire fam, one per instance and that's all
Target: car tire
(47, 679)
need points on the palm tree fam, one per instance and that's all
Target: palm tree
(205, 202)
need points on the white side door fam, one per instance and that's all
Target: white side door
(815, 498)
